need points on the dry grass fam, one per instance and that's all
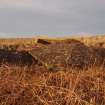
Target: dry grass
(36, 86)
(21, 86)
(31, 41)
(17, 44)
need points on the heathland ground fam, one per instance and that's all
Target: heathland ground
(47, 81)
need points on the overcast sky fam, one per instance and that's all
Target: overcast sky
(52, 17)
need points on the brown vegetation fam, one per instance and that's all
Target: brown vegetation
(39, 85)
(20, 86)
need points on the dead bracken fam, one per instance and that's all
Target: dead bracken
(35, 85)
(57, 56)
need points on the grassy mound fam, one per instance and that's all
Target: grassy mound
(72, 54)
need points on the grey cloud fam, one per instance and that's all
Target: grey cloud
(54, 17)
(15, 3)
